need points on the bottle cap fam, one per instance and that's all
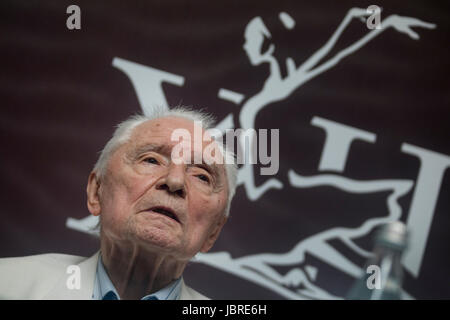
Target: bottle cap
(393, 234)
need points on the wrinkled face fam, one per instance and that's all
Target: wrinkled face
(146, 199)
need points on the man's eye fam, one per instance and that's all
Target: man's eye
(151, 160)
(203, 177)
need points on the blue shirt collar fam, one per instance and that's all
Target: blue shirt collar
(103, 286)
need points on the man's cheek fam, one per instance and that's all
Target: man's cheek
(136, 189)
(204, 206)
(201, 216)
(197, 238)
(113, 210)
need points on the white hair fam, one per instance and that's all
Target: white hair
(124, 130)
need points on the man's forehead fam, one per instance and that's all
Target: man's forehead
(163, 131)
(156, 135)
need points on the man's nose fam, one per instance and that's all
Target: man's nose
(173, 182)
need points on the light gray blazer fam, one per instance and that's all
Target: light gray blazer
(44, 277)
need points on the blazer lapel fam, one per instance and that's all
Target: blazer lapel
(187, 293)
(88, 269)
(184, 293)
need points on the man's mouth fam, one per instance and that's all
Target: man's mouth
(165, 211)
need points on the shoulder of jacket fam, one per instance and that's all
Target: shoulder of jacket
(20, 277)
(190, 294)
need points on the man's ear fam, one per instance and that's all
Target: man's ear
(213, 235)
(92, 190)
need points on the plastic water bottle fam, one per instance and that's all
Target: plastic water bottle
(383, 273)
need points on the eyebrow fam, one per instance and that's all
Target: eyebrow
(167, 150)
(151, 147)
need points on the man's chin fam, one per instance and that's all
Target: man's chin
(151, 218)
(155, 239)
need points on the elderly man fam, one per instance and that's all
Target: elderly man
(155, 215)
